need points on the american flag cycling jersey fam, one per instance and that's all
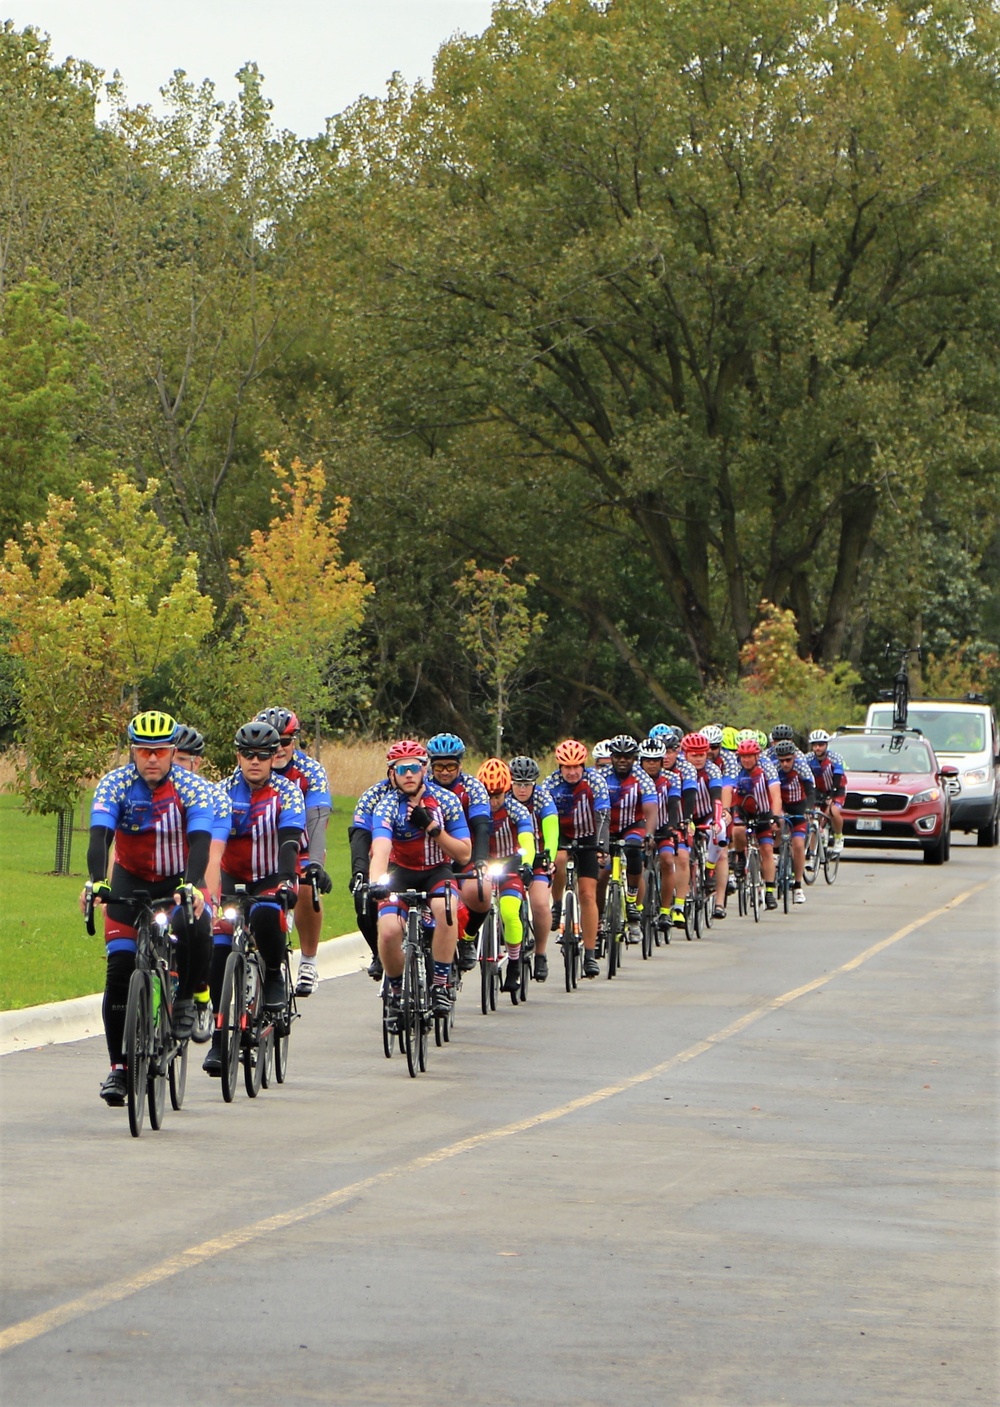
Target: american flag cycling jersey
(411, 848)
(309, 776)
(151, 826)
(507, 825)
(828, 773)
(540, 807)
(222, 823)
(367, 801)
(728, 764)
(772, 756)
(750, 790)
(796, 785)
(471, 793)
(251, 852)
(668, 788)
(708, 781)
(628, 795)
(579, 805)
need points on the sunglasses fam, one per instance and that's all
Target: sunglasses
(408, 769)
(148, 753)
(255, 754)
(288, 740)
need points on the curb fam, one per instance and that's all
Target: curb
(58, 1023)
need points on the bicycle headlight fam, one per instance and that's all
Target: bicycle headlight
(230, 915)
(931, 794)
(494, 871)
(161, 919)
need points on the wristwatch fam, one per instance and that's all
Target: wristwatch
(432, 832)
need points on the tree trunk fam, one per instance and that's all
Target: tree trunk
(857, 518)
(64, 837)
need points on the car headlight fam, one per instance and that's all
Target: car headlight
(931, 794)
(978, 774)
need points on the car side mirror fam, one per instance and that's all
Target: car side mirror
(948, 776)
(949, 770)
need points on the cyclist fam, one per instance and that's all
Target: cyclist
(580, 794)
(798, 793)
(602, 755)
(831, 782)
(419, 832)
(309, 775)
(446, 751)
(668, 819)
(160, 819)
(757, 797)
(534, 795)
(262, 853)
(359, 835)
(781, 733)
(512, 845)
(710, 813)
(633, 818)
(682, 769)
(190, 755)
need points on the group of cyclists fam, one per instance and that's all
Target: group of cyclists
(429, 827)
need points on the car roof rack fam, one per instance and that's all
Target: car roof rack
(893, 732)
(970, 698)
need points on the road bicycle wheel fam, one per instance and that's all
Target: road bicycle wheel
(487, 963)
(812, 862)
(253, 1062)
(283, 1025)
(741, 889)
(138, 1019)
(900, 701)
(388, 1041)
(785, 875)
(754, 884)
(831, 859)
(267, 1059)
(232, 1019)
(254, 1023)
(614, 914)
(571, 939)
(156, 1085)
(411, 1010)
(178, 1075)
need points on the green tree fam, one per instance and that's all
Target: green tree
(497, 629)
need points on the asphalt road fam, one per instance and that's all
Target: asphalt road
(757, 1169)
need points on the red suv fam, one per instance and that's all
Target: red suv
(897, 791)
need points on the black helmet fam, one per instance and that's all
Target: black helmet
(784, 747)
(623, 745)
(259, 736)
(282, 720)
(782, 733)
(524, 770)
(189, 740)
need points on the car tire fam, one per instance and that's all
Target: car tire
(936, 853)
(989, 836)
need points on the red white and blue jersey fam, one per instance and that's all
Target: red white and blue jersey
(367, 801)
(251, 852)
(579, 804)
(708, 780)
(668, 788)
(410, 847)
(510, 827)
(728, 764)
(796, 785)
(750, 790)
(828, 773)
(309, 776)
(222, 824)
(686, 774)
(151, 826)
(628, 795)
(540, 807)
(471, 793)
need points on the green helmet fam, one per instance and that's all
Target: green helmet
(153, 728)
(747, 735)
(763, 739)
(730, 737)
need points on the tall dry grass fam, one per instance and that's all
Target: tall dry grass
(354, 765)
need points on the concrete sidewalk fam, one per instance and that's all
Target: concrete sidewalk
(57, 1023)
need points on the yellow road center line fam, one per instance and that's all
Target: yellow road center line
(97, 1299)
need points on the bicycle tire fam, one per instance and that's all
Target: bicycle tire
(571, 939)
(253, 1064)
(138, 1015)
(754, 885)
(487, 961)
(741, 891)
(283, 1025)
(813, 854)
(831, 862)
(785, 874)
(156, 1080)
(411, 1011)
(178, 1075)
(267, 1068)
(900, 702)
(388, 1041)
(231, 1012)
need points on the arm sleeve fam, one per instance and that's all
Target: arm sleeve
(316, 822)
(550, 834)
(361, 844)
(603, 830)
(288, 851)
(526, 841)
(97, 851)
(199, 843)
(480, 827)
(673, 810)
(688, 796)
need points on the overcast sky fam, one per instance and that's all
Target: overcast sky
(317, 56)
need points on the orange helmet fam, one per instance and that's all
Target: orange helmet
(571, 753)
(495, 775)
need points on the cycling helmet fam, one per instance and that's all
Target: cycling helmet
(784, 747)
(445, 745)
(258, 735)
(762, 738)
(730, 738)
(651, 747)
(189, 740)
(406, 750)
(282, 720)
(818, 735)
(571, 754)
(495, 775)
(694, 742)
(602, 750)
(713, 734)
(524, 769)
(782, 733)
(152, 729)
(622, 745)
(747, 735)
(749, 747)
(671, 738)
(659, 730)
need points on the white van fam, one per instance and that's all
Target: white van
(962, 732)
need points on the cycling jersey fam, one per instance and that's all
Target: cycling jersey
(410, 847)
(511, 831)
(544, 818)
(728, 764)
(580, 805)
(751, 788)
(471, 793)
(152, 826)
(368, 800)
(828, 773)
(309, 776)
(259, 815)
(797, 786)
(668, 799)
(222, 824)
(628, 795)
(708, 783)
(687, 777)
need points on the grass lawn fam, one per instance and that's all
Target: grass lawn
(45, 951)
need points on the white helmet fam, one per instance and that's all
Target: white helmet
(602, 750)
(818, 735)
(713, 733)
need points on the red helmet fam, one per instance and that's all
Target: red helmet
(749, 747)
(495, 775)
(571, 753)
(694, 742)
(406, 750)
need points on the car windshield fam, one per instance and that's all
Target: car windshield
(869, 752)
(948, 729)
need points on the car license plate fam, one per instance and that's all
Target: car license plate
(869, 823)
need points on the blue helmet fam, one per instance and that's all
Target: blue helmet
(659, 730)
(445, 745)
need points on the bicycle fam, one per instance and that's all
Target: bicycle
(249, 1033)
(415, 1010)
(651, 902)
(900, 691)
(570, 931)
(783, 869)
(819, 848)
(490, 952)
(154, 1057)
(613, 928)
(749, 874)
(698, 904)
